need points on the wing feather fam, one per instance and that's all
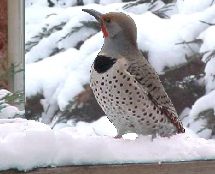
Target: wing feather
(149, 81)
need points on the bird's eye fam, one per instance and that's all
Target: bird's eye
(107, 20)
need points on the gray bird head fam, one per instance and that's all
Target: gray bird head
(119, 30)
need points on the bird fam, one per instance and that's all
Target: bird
(126, 86)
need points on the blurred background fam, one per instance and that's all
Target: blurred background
(176, 36)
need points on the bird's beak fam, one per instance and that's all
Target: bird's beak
(97, 15)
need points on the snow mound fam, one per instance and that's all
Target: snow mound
(28, 144)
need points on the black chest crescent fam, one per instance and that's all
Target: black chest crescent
(103, 63)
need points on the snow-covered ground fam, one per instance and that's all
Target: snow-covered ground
(29, 144)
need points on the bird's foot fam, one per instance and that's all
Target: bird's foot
(118, 136)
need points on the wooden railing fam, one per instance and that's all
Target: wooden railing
(195, 167)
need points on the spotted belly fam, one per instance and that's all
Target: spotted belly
(126, 104)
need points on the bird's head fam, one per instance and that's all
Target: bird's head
(115, 25)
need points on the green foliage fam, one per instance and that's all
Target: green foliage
(14, 99)
(7, 98)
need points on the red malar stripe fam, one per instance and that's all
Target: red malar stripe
(104, 30)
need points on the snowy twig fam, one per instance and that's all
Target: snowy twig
(195, 41)
(209, 56)
(210, 24)
(51, 15)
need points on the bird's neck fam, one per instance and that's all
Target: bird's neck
(119, 46)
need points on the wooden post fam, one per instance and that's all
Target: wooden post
(16, 44)
(3, 45)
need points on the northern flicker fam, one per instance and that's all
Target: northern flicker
(126, 86)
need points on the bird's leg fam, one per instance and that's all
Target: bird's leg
(153, 136)
(120, 132)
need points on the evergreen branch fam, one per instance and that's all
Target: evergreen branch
(124, 0)
(132, 4)
(44, 34)
(55, 51)
(15, 98)
(210, 55)
(190, 60)
(88, 24)
(167, 1)
(29, 45)
(151, 2)
(151, 7)
(162, 11)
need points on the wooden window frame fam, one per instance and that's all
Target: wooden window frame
(191, 167)
(16, 55)
(16, 42)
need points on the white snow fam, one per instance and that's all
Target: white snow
(210, 75)
(104, 2)
(190, 6)
(161, 37)
(197, 121)
(204, 103)
(35, 2)
(4, 93)
(47, 44)
(64, 74)
(9, 112)
(208, 49)
(208, 38)
(28, 144)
